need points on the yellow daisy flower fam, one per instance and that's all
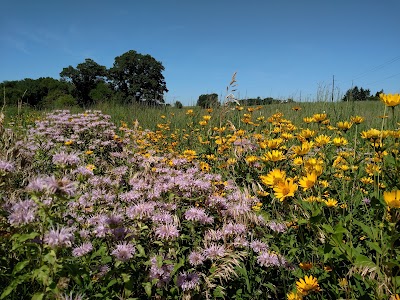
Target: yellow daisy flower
(308, 284)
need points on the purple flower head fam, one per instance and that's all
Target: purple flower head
(6, 166)
(114, 219)
(45, 184)
(258, 246)
(230, 229)
(82, 250)
(270, 259)
(366, 201)
(188, 281)
(59, 237)
(198, 215)
(23, 212)
(66, 159)
(123, 251)
(141, 210)
(163, 217)
(277, 227)
(167, 231)
(214, 251)
(160, 272)
(196, 258)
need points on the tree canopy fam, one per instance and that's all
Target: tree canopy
(84, 77)
(208, 100)
(139, 77)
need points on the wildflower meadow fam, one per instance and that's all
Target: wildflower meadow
(234, 202)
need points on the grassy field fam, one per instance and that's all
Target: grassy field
(287, 201)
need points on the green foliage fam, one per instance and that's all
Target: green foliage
(359, 94)
(139, 77)
(65, 101)
(84, 77)
(178, 104)
(208, 101)
(33, 92)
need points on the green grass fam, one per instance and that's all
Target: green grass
(149, 117)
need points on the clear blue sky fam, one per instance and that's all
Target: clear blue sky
(280, 48)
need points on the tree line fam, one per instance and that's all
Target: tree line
(134, 77)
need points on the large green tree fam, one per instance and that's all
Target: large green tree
(85, 77)
(208, 100)
(138, 77)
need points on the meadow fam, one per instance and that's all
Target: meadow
(286, 201)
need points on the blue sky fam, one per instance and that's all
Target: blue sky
(281, 49)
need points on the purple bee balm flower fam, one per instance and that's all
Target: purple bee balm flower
(44, 184)
(196, 258)
(123, 251)
(366, 201)
(188, 281)
(82, 250)
(164, 217)
(141, 210)
(167, 231)
(23, 212)
(214, 251)
(258, 246)
(231, 228)
(277, 227)
(6, 166)
(59, 237)
(66, 159)
(162, 273)
(199, 215)
(270, 259)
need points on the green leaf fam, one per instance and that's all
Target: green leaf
(21, 238)
(147, 288)
(42, 274)
(243, 271)
(20, 266)
(125, 277)
(374, 246)
(368, 230)
(38, 296)
(328, 228)
(141, 251)
(50, 257)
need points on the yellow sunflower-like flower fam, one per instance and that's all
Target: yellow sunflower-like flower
(308, 120)
(305, 265)
(340, 141)
(303, 149)
(331, 202)
(273, 177)
(390, 100)
(90, 167)
(392, 198)
(395, 297)
(294, 296)
(285, 189)
(344, 125)
(205, 167)
(357, 120)
(274, 155)
(308, 181)
(319, 117)
(307, 285)
(322, 140)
